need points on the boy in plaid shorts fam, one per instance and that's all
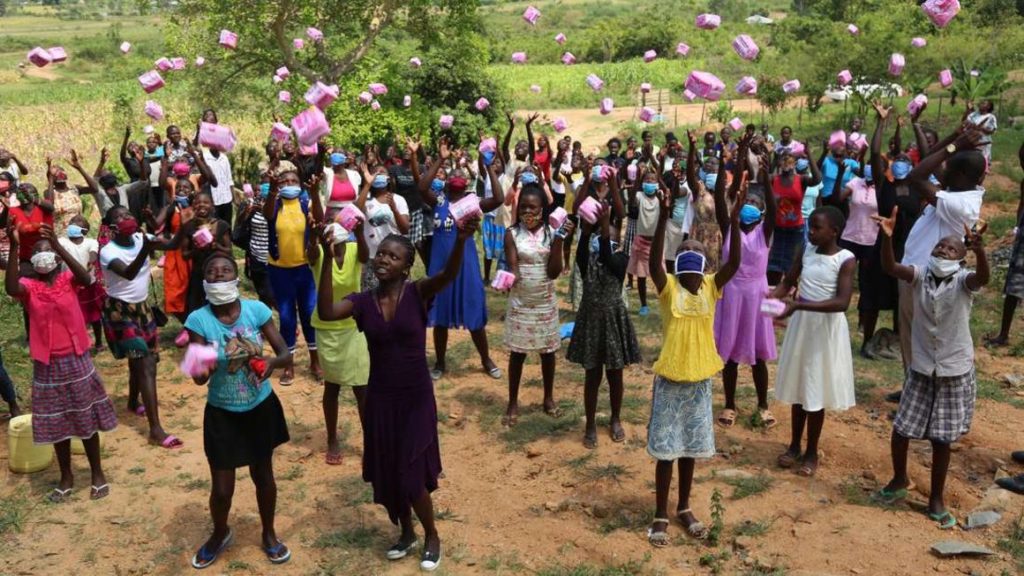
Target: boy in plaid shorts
(938, 396)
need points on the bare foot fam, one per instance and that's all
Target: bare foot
(617, 431)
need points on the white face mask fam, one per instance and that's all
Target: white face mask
(942, 268)
(44, 262)
(220, 293)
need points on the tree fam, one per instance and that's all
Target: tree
(3, 8)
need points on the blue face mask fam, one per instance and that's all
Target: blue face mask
(488, 158)
(75, 231)
(379, 181)
(690, 262)
(183, 200)
(868, 174)
(528, 178)
(901, 169)
(290, 192)
(158, 153)
(710, 180)
(650, 188)
(436, 185)
(802, 164)
(264, 189)
(337, 159)
(749, 214)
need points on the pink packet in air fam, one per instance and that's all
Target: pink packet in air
(682, 48)
(378, 89)
(797, 148)
(736, 124)
(946, 78)
(645, 87)
(590, 210)
(557, 217)
(503, 281)
(415, 62)
(177, 63)
(535, 88)
(57, 54)
(518, 57)
(568, 59)
(278, 79)
(791, 86)
(375, 105)
(747, 85)
(216, 136)
(896, 64)
(446, 121)
(310, 125)
(199, 358)
(915, 105)
(228, 39)
(163, 64)
(200, 61)
(531, 15)
(466, 207)
(284, 96)
(407, 100)
(308, 150)
(650, 56)
(126, 47)
(708, 21)
(314, 34)
(154, 110)
(322, 95)
(560, 38)
(488, 145)
(298, 44)
(689, 95)
(203, 237)
(151, 81)
(365, 98)
(647, 114)
(280, 132)
(283, 72)
(607, 105)
(941, 12)
(838, 138)
(247, 190)
(350, 217)
(918, 42)
(844, 78)
(560, 125)
(853, 30)
(772, 307)
(595, 82)
(482, 104)
(705, 85)
(745, 47)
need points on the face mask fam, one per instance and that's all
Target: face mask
(337, 159)
(290, 192)
(436, 185)
(868, 174)
(679, 208)
(802, 164)
(181, 169)
(690, 262)
(379, 181)
(75, 231)
(220, 293)
(157, 153)
(527, 178)
(749, 214)
(128, 226)
(264, 189)
(901, 169)
(457, 184)
(942, 268)
(488, 158)
(710, 180)
(60, 177)
(182, 201)
(595, 244)
(650, 188)
(530, 220)
(44, 262)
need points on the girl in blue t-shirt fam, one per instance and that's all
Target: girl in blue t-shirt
(243, 421)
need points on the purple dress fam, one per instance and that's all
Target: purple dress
(744, 335)
(401, 456)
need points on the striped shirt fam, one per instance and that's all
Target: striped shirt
(258, 237)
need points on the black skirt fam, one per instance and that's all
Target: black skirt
(234, 439)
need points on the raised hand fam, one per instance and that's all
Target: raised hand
(532, 117)
(972, 237)
(75, 162)
(511, 118)
(741, 199)
(691, 137)
(468, 228)
(412, 145)
(970, 139)
(442, 149)
(887, 225)
(880, 109)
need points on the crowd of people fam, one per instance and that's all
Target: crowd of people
(738, 233)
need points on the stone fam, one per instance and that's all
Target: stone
(600, 511)
(996, 499)
(1001, 473)
(742, 543)
(551, 506)
(733, 473)
(947, 548)
(869, 475)
(982, 519)
(1013, 380)
(533, 452)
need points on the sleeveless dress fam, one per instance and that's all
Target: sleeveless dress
(461, 304)
(816, 366)
(176, 273)
(401, 454)
(531, 323)
(705, 228)
(742, 334)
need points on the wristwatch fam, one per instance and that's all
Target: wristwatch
(951, 148)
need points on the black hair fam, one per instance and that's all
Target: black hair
(751, 127)
(670, 137)
(614, 140)
(220, 256)
(970, 163)
(7, 176)
(404, 241)
(645, 134)
(787, 127)
(108, 217)
(534, 190)
(833, 215)
(198, 193)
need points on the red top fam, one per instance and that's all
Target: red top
(343, 191)
(56, 326)
(542, 158)
(28, 228)
(789, 200)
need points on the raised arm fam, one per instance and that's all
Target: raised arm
(123, 153)
(497, 192)
(508, 137)
(691, 162)
(414, 160)
(721, 207)
(729, 268)
(889, 264)
(531, 146)
(770, 205)
(90, 182)
(326, 306)
(877, 164)
(204, 169)
(918, 177)
(11, 284)
(429, 287)
(130, 271)
(980, 277)
(81, 273)
(104, 154)
(655, 265)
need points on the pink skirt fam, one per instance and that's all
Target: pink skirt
(639, 258)
(742, 334)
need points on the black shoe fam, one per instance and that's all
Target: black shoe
(1017, 456)
(894, 397)
(1013, 483)
(430, 560)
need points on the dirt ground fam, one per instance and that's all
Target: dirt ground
(531, 500)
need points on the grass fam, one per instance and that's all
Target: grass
(353, 490)
(746, 487)
(627, 517)
(359, 537)
(13, 512)
(293, 473)
(533, 426)
(630, 568)
(605, 472)
(1013, 543)
(752, 528)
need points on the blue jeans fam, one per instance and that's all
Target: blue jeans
(295, 294)
(6, 386)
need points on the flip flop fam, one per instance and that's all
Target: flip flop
(495, 373)
(787, 459)
(768, 420)
(727, 418)
(946, 520)
(172, 442)
(590, 441)
(99, 492)
(890, 497)
(274, 553)
(58, 495)
(658, 538)
(287, 380)
(806, 470)
(204, 558)
(554, 412)
(618, 436)
(334, 459)
(509, 420)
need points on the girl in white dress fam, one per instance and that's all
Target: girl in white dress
(815, 367)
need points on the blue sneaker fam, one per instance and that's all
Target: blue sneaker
(644, 311)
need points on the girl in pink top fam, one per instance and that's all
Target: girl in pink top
(68, 399)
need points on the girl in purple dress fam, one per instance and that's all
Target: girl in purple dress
(742, 334)
(401, 456)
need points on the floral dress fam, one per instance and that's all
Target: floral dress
(531, 323)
